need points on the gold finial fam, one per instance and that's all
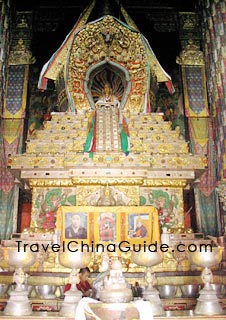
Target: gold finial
(107, 191)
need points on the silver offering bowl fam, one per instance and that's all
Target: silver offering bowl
(207, 257)
(219, 288)
(18, 303)
(149, 259)
(73, 260)
(190, 290)
(167, 291)
(46, 291)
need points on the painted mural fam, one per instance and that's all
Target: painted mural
(46, 203)
(167, 201)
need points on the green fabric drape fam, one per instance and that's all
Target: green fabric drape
(89, 140)
(124, 142)
(7, 210)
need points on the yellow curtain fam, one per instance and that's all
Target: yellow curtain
(11, 129)
(199, 127)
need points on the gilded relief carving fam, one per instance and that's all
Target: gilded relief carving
(110, 41)
(96, 195)
(191, 55)
(20, 54)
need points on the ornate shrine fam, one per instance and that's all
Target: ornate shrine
(126, 149)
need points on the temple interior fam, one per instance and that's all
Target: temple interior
(112, 189)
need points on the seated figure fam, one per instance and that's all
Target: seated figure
(107, 98)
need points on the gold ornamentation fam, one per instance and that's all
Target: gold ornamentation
(22, 23)
(50, 183)
(108, 181)
(49, 162)
(191, 55)
(123, 46)
(20, 54)
(165, 183)
(12, 129)
(157, 68)
(188, 20)
(123, 195)
(134, 103)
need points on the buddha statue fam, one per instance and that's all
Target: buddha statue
(107, 98)
(106, 198)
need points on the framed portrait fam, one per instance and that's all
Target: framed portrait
(141, 224)
(106, 225)
(74, 224)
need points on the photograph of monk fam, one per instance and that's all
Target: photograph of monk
(138, 225)
(107, 230)
(76, 226)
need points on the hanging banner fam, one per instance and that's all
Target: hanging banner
(16, 92)
(195, 95)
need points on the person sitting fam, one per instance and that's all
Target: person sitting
(84, 286)
(140, 231)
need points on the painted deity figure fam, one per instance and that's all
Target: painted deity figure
(107, 98)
